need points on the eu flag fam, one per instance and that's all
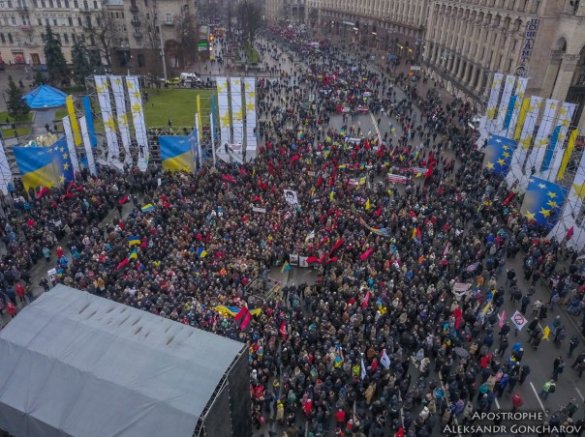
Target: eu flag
(543, 202)
(498, 154)
(62, 161)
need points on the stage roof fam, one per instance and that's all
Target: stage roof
(74, 364)
(45, 97)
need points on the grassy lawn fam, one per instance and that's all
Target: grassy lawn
(177, 105)
(23, 125)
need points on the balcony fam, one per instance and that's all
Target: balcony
(136, 22)
(137, 34)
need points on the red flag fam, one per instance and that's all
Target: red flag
(246, 321)
(124, 200)
(282, 328)
(366, 299)
(242, 313)
(336, 246)
(228, 178)
(364, 256)
(295, 158)
(123, 263)
(331, 260)
(570, 232)
(378, 211)
(313, 260)
(458, 314)
(42, 192)
(509, 198)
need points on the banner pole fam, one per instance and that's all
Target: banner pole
(212, 129)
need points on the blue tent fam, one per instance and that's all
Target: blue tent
(45, 97)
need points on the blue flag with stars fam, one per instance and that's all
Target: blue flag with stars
(543, 202)
(498, 154)
(62, 161)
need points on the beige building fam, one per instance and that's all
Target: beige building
(23, 23)
(468, 41)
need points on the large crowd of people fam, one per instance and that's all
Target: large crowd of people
(379, 343)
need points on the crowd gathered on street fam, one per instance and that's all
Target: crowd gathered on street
(382, 343)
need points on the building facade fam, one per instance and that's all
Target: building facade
(468, 41)
(23, 24)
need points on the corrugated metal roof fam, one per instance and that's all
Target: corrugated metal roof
(80, 365)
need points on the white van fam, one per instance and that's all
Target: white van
(189, 78)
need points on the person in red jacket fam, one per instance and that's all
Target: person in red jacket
(20, 291)
(340, 417)
(517, 402)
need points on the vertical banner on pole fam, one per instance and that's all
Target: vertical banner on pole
(73, 120)
(513, 116)
(199, 119)
(237, 111)
(70, 145)
(541, 142)
(250, 99)
(521, 118)
(558, 151)
(135, 99)
(121, 116)
(89, 120)
(224, 110)
(88, 147)
(103, 93)
(504, 103)
(567, 154)
(5, 173)
(493, 100)
(518, 159)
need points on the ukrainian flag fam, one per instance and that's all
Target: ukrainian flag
(176, 153)
(37, 166)
(133, 240)
(147, 208)
(543, 202)
(63, 161)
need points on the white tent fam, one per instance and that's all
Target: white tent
(74, 364)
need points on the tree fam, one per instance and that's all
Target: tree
(38, 79)
(56, 65)
(81, 63)
(104, 35)
(249, 17)
(17, 108)
(186, 36)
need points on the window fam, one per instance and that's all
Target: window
(92, 40)
(51, 5)
(98, 21)
(57, 36)
(10, 38)
(2, 39)
(75, 4)
(36, 3)
(88, 20)
(146, 3)
(95, 6)
(55, 22)
(59, 4)
(85, 6)
(9, 4)
(66, 4)
(43, 4)
(70, 21)
(74, 37)
(47, 22)
(40, 22)
(141, 62)
(42, 37)
(13, 20)
(169, 18)
(66, 38)
(79, 22)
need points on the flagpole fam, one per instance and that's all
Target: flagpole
(198, 139)
(212, 129)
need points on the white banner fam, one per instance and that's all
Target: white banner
(237, 110)
(519, 93)
(87, 146)
(503, 108)
(565, 116)
(541, 142)
(121, 116)
(223, 107)
(493, 100)
(103, 92)
(135, 98)
(70, 146)
(5, 173)
(519, 157)
(250, 98)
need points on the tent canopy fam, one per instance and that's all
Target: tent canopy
(74, 364)
(45, 97)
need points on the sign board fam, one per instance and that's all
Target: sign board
(258, 209)
(293, 260)
(527, 46)
(518, 320)
(415, 68)
(303, 261)
(460, 289)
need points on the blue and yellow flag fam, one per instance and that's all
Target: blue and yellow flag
(37, 166)
(543, 202)
(498, 154)
(549, 153)
(176, 153)
(63, 161)
(133, 240)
